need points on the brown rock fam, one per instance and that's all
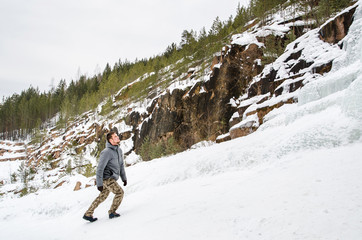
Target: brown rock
(125, 135)
(223, 139)
(261, 112)
(59, 184)
(13, 159)
(215, 61)
(2, 151)
(243, 130)
(91, 183)
(56, 154)
(337, 29)
(77, 186)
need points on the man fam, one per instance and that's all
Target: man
(110, 167)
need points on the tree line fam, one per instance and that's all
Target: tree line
(21, 114)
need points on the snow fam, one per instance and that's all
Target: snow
(9, 145)
(8, 155)
(313, 50)
(12, 150)
(313, 194)
(245, 39)
(182, 84)
(273, 29)
(297, 177)
(127, 145)
(223, 136)
(253, 100)
(7, 168)
(248, 122)
(143, 77)
(235, 115)
(132, 158)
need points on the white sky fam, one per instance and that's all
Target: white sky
(43, 41)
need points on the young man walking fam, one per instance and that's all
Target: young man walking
(110, 168)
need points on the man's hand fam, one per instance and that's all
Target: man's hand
(100, 188)
(125, 183)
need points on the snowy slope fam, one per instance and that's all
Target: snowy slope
(309, 195)
(297, 177)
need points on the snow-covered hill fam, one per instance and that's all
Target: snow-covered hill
(313, 194)
(297, 177)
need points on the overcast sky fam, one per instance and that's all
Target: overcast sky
(43, 41)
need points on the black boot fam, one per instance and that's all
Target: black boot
(114, 215)
(91, 219)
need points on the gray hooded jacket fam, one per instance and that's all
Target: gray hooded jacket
(110, 164)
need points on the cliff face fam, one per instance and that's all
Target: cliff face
(231, 101)
(203, 111)
(334, 31)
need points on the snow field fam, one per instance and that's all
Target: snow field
(314, 194)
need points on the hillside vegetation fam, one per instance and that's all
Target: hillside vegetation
(22, 115)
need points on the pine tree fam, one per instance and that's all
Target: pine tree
(216, 27)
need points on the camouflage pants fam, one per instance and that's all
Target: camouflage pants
(109, 185)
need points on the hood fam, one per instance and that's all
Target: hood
(109, 145)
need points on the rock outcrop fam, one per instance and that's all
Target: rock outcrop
(334, 31)
(203, 111)
(277, 83)
(12, 151)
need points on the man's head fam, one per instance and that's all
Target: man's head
(113, 138)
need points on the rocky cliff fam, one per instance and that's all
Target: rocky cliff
(239, 82)
(219, 105)
(229, 99)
